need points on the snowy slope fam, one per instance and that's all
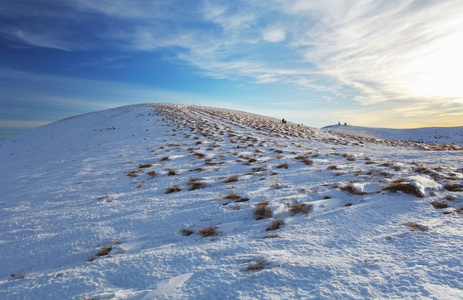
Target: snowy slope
(100, 206)
(436, 135)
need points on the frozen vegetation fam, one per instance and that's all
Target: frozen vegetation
(164, 201)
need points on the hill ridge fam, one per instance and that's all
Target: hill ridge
(175, 201)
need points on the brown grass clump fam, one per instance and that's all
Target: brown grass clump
(132, 173)
(421, 170)
(450, 198)
(231, 178)
(306, 161)
(453, 187)
(152, 173)
(141, 166)
(199, 155)
(165, 158)
(351, 190)
(209, 231)
(171, 172)
(299, 208)
(416, 227)
(262, 211)
(232, 196)
(283, 165)
(196, 185)
(439, 204)
(275, 225)
(173, 189)
(104, 251)
(406, 188)
(186, 232)
(459, 210)
(257, 266)
(332, 167)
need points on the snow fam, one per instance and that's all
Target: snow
(436, 135)
(66, 196)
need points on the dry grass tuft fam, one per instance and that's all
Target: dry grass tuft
(299, 208)
(421, 170)
(416, 227)
(152, 173)
(132, 173)
(173, 189)
(453, 187)
(450, 198)
(199, 155)
(258, 265)
(351, 190)
(232, 196)
(165, 158)
(332, 167)
(275, 225)
(104, 251)
(186, 232)
(306, 161)
(171, 172)
(209, 231)
(196, 186)
(439, 204)
(231, 178)
(262, 211)
(283, 165)
(406, 188)
(141, 166)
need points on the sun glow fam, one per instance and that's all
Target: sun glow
(438, 73)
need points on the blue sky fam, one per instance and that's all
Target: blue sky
(365, 62)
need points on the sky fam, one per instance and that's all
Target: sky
(377, 63)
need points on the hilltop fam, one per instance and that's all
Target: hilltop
(434, 135)
(166, 201)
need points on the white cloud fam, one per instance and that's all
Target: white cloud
(385, 50)
(274, 35)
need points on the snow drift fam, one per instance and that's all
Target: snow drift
(172, 201)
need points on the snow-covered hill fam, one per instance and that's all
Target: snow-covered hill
(435, 135)
(167, 201)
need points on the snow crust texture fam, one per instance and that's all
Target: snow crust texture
(165, 201)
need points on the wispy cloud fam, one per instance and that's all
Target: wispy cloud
(385, 50)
